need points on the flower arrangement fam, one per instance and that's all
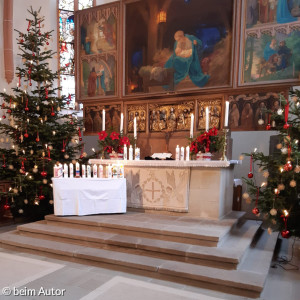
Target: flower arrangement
(207, 142)
(112, 142)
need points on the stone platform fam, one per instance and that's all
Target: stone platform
(230, 255)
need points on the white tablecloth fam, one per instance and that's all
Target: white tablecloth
(87, 196)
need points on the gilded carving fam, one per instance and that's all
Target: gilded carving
(138, 112)
(170, 117)
(215, 113)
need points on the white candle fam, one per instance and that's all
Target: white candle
(130, 153)
(187, 153)
(88, 171)
(103, 119)
(226, 114)
(182, 153)
(177, 156)
(125, 152)
(100, 171)
(94, 171)
(134, 128)
(206, 119)
(192, 126)
(66, 171)
(83, 171)
(121, 124)
(71, 167)
(77, 170)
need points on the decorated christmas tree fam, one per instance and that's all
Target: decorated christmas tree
(39, 134)
(277, 197)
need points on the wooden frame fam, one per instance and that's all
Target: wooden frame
(97, 45)
(142, 76)
(269, 52)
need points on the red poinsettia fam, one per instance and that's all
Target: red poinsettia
(108, 149)
(102, 135)
(124, 141)
(207, 142)
(114, 135)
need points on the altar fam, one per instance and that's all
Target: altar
(196, 188)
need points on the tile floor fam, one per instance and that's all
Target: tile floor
(88, 282)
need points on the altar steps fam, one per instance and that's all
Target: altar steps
(239, 263)
(226, 256)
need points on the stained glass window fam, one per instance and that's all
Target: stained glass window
(66, 43)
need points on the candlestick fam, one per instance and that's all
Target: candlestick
(224, 158)
(206, 119)
(192, 126)
(103, 119)
(121, 123)
(226, 114)
(134, 128)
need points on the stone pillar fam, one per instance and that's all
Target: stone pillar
(7, 40)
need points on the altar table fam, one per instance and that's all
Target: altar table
(197, 188)
(87, 196)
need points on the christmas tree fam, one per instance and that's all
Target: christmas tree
(277, 197)
(40, 134)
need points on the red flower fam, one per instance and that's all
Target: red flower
(194, 147)
(102, 135)
(124, 141)
(114, 135)
(120, 150)
(108, 149)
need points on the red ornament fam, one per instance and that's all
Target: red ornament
(286, 126)
(255, 211)
(288, 166)
(44, 173)
(53, 114)
(81, 156)
(6, 206)
(47, 43)
(41, 197)
(285, 234)
(9, 111)
(250, 175)
(68, 102)
(4, 117)
(37, 139)
(268, 127)
(26, 109)
(26, 135)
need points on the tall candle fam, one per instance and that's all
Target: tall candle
(226, 114)
(71, 168)
(192, 126)
(187, 153)
(121, 124)
(134, 128)
(177, 151)
(206, 119)
(103, 119)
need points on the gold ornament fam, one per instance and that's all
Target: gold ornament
(297, 169)
(293, 183)
(58, 108)
(274, 222)
(45, 181)
(66, 156)
(21, 211)
(281, 187)
(50, 147)
(266, 174)
(279, 146)
(25, 201)
(11, 167)
(31, 152)
(248, 201)
(284, 150)
(51, 202)
(273, 212)
(245, 195)
(73, 161)
(295, 98)
(270, 231)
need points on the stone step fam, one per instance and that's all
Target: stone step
(226, 256)
(164, 227)
(247, 280)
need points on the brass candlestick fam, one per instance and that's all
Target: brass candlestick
(224, 157)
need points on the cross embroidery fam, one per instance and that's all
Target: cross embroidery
(153, 190)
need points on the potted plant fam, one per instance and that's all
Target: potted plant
(111, 144)
(205, 144)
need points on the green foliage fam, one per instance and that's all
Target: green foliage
(39, 132)
(279, 194)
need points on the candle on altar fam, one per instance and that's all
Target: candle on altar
(121, 123)
(134, 128)
(206, 119)
(226, 114)
(103, 119)
(192, 126)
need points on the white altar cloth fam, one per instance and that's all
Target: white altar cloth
(87, 196)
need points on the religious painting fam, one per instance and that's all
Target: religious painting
(139, 112)
(270, 47)
(177, 45)
(97, 47)
(170, 117)
(214, 113)
(93, 114)
(249, 112)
